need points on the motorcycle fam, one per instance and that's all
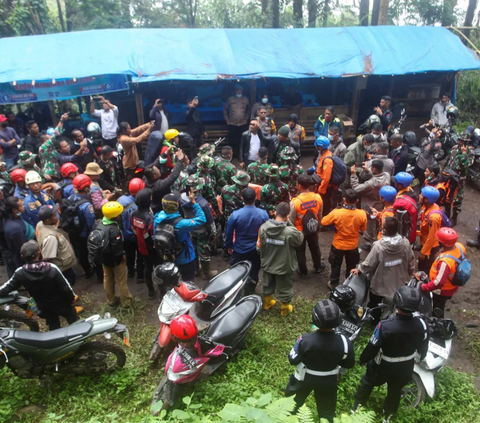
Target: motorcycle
(473, 174)
(204, 305)
(67, 350)
(449, 139)
(395, 128)
(223, 340)
(16, 319)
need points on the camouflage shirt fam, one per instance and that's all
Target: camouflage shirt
(460, 162)
(258, 172)
(231, 199)
(208, 191)
(289, 175)
(272, 194)
(223, 170)
(48, 159)
(181, 182)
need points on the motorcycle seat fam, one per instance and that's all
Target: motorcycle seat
(227, 327)
(225, 281)
(53, 339)
(360, 285)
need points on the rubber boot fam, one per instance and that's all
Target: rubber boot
(453, 220)
(268, 302)
(286, 308)
(207, 273)
(197, 267)
(79, 309)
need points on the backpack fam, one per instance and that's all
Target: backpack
(166, 243)
(464, 269)
(339, 171)
(70, 217)
(406, 213)
(445, 220)
(310, 223)
(97, 244)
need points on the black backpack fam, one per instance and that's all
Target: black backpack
(97, 244)
(310, 223)
(166, 244)
(70, 218)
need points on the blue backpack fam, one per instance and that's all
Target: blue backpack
(445, 220)
(464, 269)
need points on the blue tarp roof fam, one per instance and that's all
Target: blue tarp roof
(208, 54)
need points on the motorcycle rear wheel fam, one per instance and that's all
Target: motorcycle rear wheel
(414, 393)
(98, 357)
(17, 320)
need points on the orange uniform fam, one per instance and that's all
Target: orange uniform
(324, 171)
(405, 191)
(431, 223)
(386, 212)
(304, 202)
(348, 223)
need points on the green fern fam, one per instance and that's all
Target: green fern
(305, 415)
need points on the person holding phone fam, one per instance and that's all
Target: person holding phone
(108, 115)
(195, 126)
(160, 116)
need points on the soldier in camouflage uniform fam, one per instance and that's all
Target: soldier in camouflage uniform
(204, 165)
(461, 157)
(180, 183)
(289, 170)
(224, 169)
(273, 193)
(27, 162)
(206, 149)
(258, 170)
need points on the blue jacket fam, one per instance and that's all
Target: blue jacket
(20, 192)
(245, 222)
(15, 236)
(67, 188)
(182, 231)
(321, 127)
(125, 201)
(33, 203)
(86, 215)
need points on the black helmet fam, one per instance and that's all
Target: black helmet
(166, 274)
(343, 296)
(410, 138)
(452, 113)
(326, 315)
(407, 299)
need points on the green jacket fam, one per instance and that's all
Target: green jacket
(356, 153)
(277, 244)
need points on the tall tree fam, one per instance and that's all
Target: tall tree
(325, 12)
(264, 6)
(30, 17)
(312, 7)
(298, 13)
(364, 11)
(472, 6)
(375, 12)
(60, 16)
(448, 15)
(276, 13)
(383, 12)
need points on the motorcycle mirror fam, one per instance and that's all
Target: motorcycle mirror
(437, 312)
(471, 325)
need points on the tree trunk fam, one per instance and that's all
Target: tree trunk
(375, 12)
(472, 6)
(60, 16)
(326, 12)
(276, 13)
(383, 12)
(364, 10)
(312, 13)
(69, 14)
(297, 13)
(264, 6)
(448, 16)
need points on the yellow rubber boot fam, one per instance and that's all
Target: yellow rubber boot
(286, 308)
(268, 302)
(79, 309)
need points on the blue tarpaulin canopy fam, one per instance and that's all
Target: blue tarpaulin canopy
(208, 54)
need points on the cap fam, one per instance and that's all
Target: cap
(26, 157)
(387, 97)
(29, 250)
(47, 211)
(3, 118)
(284, 131)
(93, 169)
(469, 129)
(170, 203)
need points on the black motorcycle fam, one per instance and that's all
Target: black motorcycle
(473, 174)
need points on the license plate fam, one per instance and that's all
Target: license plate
(126, 338)
(349, 327)
(438, 350)
(173, 301)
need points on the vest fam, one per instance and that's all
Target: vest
(452, 265)
(303, 203)
(65, 256)
(296, 134)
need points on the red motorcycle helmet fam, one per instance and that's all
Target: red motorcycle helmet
(80, 182)
(68, 168)
(184, 328)
(135, 185)
(18, 175)
(447, 236)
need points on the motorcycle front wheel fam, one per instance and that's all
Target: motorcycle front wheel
(98, 357)
(167, 392)
(414, 393)
(17, 320)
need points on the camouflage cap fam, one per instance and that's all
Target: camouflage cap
(241, 178)
(195, 182)
(26, 157)
(273, 171)
(205, 162)
(206, 149)
(284, 171)
(288, 154)
(284, 131)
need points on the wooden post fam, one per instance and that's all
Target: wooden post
(355, 100)
(51, 106)
(253, 92)
(139, 106)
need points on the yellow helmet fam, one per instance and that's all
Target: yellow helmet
(112, 209)
(171, 134)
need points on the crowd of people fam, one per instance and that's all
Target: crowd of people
(72, 202)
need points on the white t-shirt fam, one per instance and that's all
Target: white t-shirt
(254, 147)
(109, 122)
(164, 124)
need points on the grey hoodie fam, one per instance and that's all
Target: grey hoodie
(390, 264)
(370, 189)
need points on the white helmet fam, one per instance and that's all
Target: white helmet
(31, 177)
(93, 128)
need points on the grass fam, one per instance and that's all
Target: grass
(262, 367)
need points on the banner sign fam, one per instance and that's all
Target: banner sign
(60, 89)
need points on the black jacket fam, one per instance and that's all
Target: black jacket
(157, 117)
(274, 143)
(161, 187)
(44, 282)
(31, 143)
(106, 181)
(15, 236)
(245, 144)
(195, 126)
(113, 254)
(400, 158)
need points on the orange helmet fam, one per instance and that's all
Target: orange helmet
(80, 182)
(68, 168)
(184, 328)
(447, 236)
(18, 175)
(135, 185)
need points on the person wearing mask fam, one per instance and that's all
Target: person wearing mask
(259, 169)
(223, 169)
(432, 175)
(292, 99)
(390, 354)
(129, 138)
(65, 154)
(430, 145)
(388, 195)
(378, 134)
(195, 126)
(277, 242)
(398, 154)
(306, 214)
(297, 132)
(17, 176)
(381, 151)
(324, 168)
(384, 113)
(431, 221)
(369, 193)
(54, 245)
(266, 123)
(348, 221)
(326, 121)
(245, 224)
(337, 146)
(9, 142)
(160, 116)
(186, 259)
(251, 141)
(32, 140)
(439, 110)
(68, 171)
(318, 357)
(108, 115)
(262, 104)
(236, 113)
(390, 264)
(35, 198)
(356, 153)
(89, 155)
(98, 196)
(113, 257)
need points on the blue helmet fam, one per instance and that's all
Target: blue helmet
(431, 193)
(322, 142)
(51, 132)
(388, 192)
(404, 178)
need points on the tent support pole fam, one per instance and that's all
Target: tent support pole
(51, 106)
(139, 105)
(355, 101)
(253, 92)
